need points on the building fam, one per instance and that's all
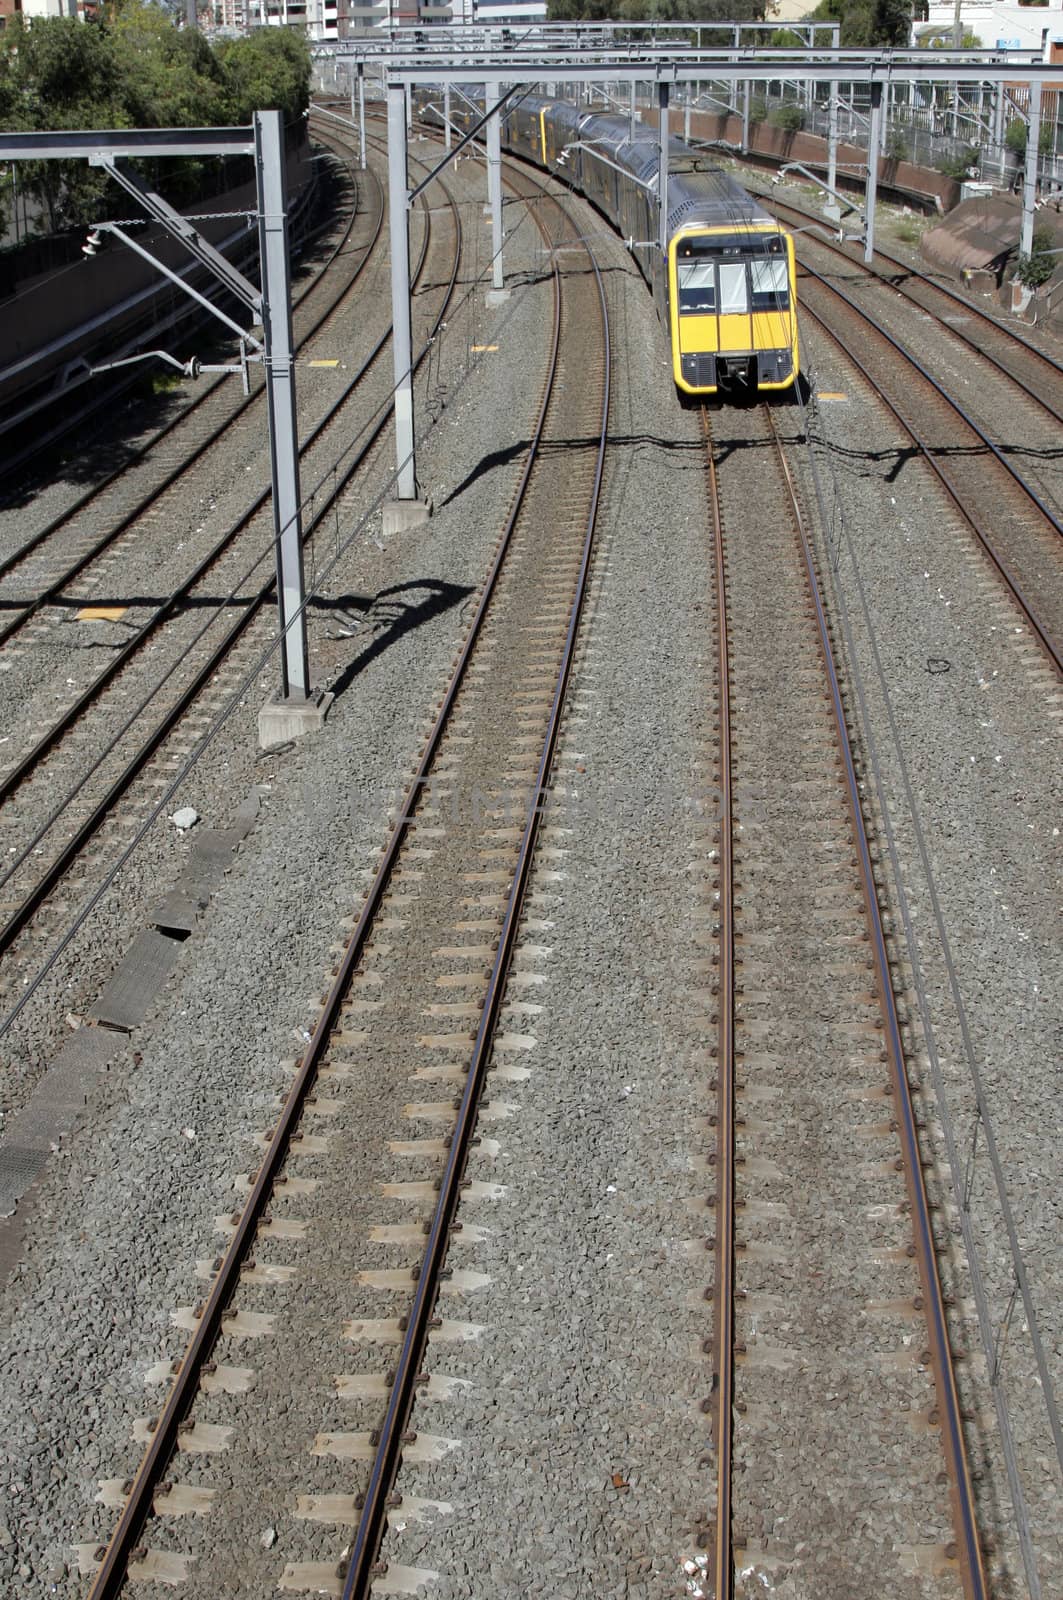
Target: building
(996, 24)
(49, 8)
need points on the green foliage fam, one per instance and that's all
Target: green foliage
(687, 11)
(134, 69)
(758, 109)
(909, 232)
(942, 40)
(867, 22)
(897, 146)
(960, 165)
(61, 73)
(1016, 133)
(174, 79)
(268, 70)
(1040, 264)
(791, 117)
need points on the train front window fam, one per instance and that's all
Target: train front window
(770, 288)
(697, 286)
(734, 292)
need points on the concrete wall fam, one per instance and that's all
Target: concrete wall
(899, 180)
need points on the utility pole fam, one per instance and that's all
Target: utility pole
(401, 335)
(406, 510)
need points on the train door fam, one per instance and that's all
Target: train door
(772, 314)
(734, 309)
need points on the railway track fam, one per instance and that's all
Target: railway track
(1016, 530)
(1034, 372)
(419, 988)
(64, 789)
(835, 1410)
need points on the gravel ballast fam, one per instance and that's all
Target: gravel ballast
(581, 1467)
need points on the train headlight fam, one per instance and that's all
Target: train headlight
(774, 366)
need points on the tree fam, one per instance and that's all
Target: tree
(174, 78)
(268, 70)
(63, 74)
(680, 11)
(865, 23)
(133, 68)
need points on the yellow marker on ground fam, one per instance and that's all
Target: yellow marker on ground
(100, 613)
(827, 394)
(324, 363)
(478, 349)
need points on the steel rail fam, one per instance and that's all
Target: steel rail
(1011, 582)
(49, 594)
(939, 389)
(933, 284)
(958, 333)
(359, 1574)
(10, 930)
(969, 306)
(724, 1287)
(969, 1549)
(115, 1560)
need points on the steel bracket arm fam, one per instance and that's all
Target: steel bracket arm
(175, 277)
(183, 230)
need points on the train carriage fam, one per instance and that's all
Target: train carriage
(724, 287)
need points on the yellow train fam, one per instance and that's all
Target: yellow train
(725, 289)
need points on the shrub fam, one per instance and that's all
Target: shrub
(1015, 138)
(791, 117)
(1040, 264)
(959, 166)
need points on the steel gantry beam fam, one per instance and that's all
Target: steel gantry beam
(497, 74)
(271, 305)
(739, 66)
